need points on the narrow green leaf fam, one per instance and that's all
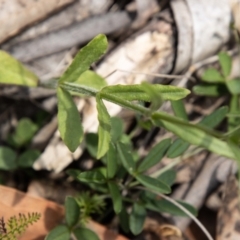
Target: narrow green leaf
(117, 128)
(126, 158)
(137, 218)
(92, 143)
(233, 86)
(27, 158)
(165, 206)
(72, 211)
(69, 123)
(155, 96)
(116, 197)
(124, 220)
(93, 176)
(112, 163)
(60, 232)
(178, 147)
(137, 92)
(104, 128)
(216, 117)
(211, 75)
(210, 90)
(168, 177)
(193, 135)
(179, 109)
(13, 72)
(153, 184)
(7, 158)
(225, 63)
(85, 57)
(85, 234)
(154, 155)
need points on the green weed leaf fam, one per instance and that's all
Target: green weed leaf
(216, 117)
(179, 109)
(117, 128)
(153, 184)
(93, 176)
(178, 147)
(210, 90)
(85, 234)
(7, 159)
(85, 57)
(104, 128)
(112, 163)
(168, 177)
(27, 158)
(59, 233)
(69, 123)
(13, 72)
(225, 63)
(24, 132)
(211, 75)
(234, 86)
(137, 218)
(124, 220)
(126, 158)
(137, 92)
(116, 197)
(72, 211)
(154, 155)
(92, 143)
(193, 135)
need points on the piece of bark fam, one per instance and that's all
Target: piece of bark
(23, 13)
(228, 225)
(71, 36)
(75, 12)
(150, 50)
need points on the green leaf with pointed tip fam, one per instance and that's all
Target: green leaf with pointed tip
(233, 86)
(92, 80)
(85, 234)
(13, 72)
(153, 184)
(117, 128)
(211, 75)
(214, 118)
(93, 176)
(137, 218)
(116, 197)
(60, 232)
(137, 92)
(154, 155)
(112, 163)
(178, 147)
(69, 123)
(85, 57)
(193, 135)
(165, 206)
(104, 128)
(210, 90)
(225, 63)
(179, 109)
(27, 158)
(168, 177)
(126, 158)
(8, 159)
(72, 211)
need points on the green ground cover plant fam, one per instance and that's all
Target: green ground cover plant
(122, 175)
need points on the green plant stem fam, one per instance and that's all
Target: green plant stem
(209, 237)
